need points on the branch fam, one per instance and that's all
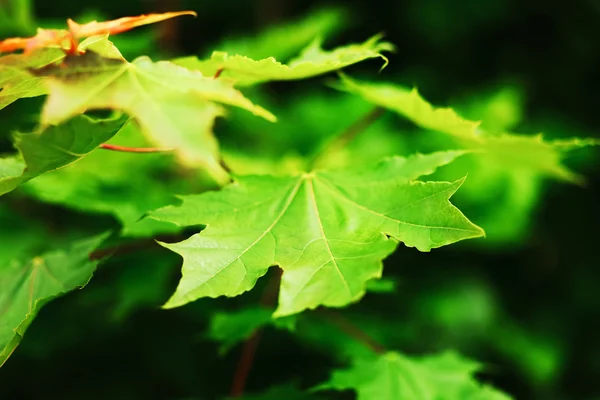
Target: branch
(131, 247)
(352, 330)
(268, 299)
(340, 141)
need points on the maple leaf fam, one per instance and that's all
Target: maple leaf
(313, 61)
(68, 39)
(174, 106)
(513, 151)
(392, 376)
(120, 25)
(328, 231)
(17, 82)
(25, 287)
(43, 38)
(54, 147)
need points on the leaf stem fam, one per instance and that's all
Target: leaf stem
(218, 73)
(142, 244)
(268, 299)
(352, 330)
(341, 140)
(126, 149)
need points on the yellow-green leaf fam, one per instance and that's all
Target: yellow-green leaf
(530, 153)
(312, 62)
(174, 106)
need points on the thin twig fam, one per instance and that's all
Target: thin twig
(126, 149)
(218, 73)
(352, 330)
(268, 299)
(131, 247)
(341, 140)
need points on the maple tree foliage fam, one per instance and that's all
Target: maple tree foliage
(29, 284)
(327, 217)
(326, 230)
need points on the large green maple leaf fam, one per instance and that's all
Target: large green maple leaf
(312, 62)
(531, 153)
(55, 147)
(393, 376)
(328, 230)
(174, 106)
(25, 286)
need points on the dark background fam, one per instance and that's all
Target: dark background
(548, 285)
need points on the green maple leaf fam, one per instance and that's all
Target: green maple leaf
(392, 376)
(312, 62)
(174, 106)
(26, 286)
(328, 231)
(55, 147)
(530, 153)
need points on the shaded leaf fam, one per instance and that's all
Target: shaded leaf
(280, 392)
(133, 185)
(284, 40)
(16, 16)
(26, 286)
(230, 328)
(328, 231)
(382, 286)
(511, 151)
(174, 106)
(312, 62)
(55, 147)
(393, 376)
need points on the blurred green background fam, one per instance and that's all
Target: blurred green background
(524, 301)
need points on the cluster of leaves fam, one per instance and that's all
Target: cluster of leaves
(325, 208)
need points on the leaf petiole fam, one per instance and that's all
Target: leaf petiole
(126, 149)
